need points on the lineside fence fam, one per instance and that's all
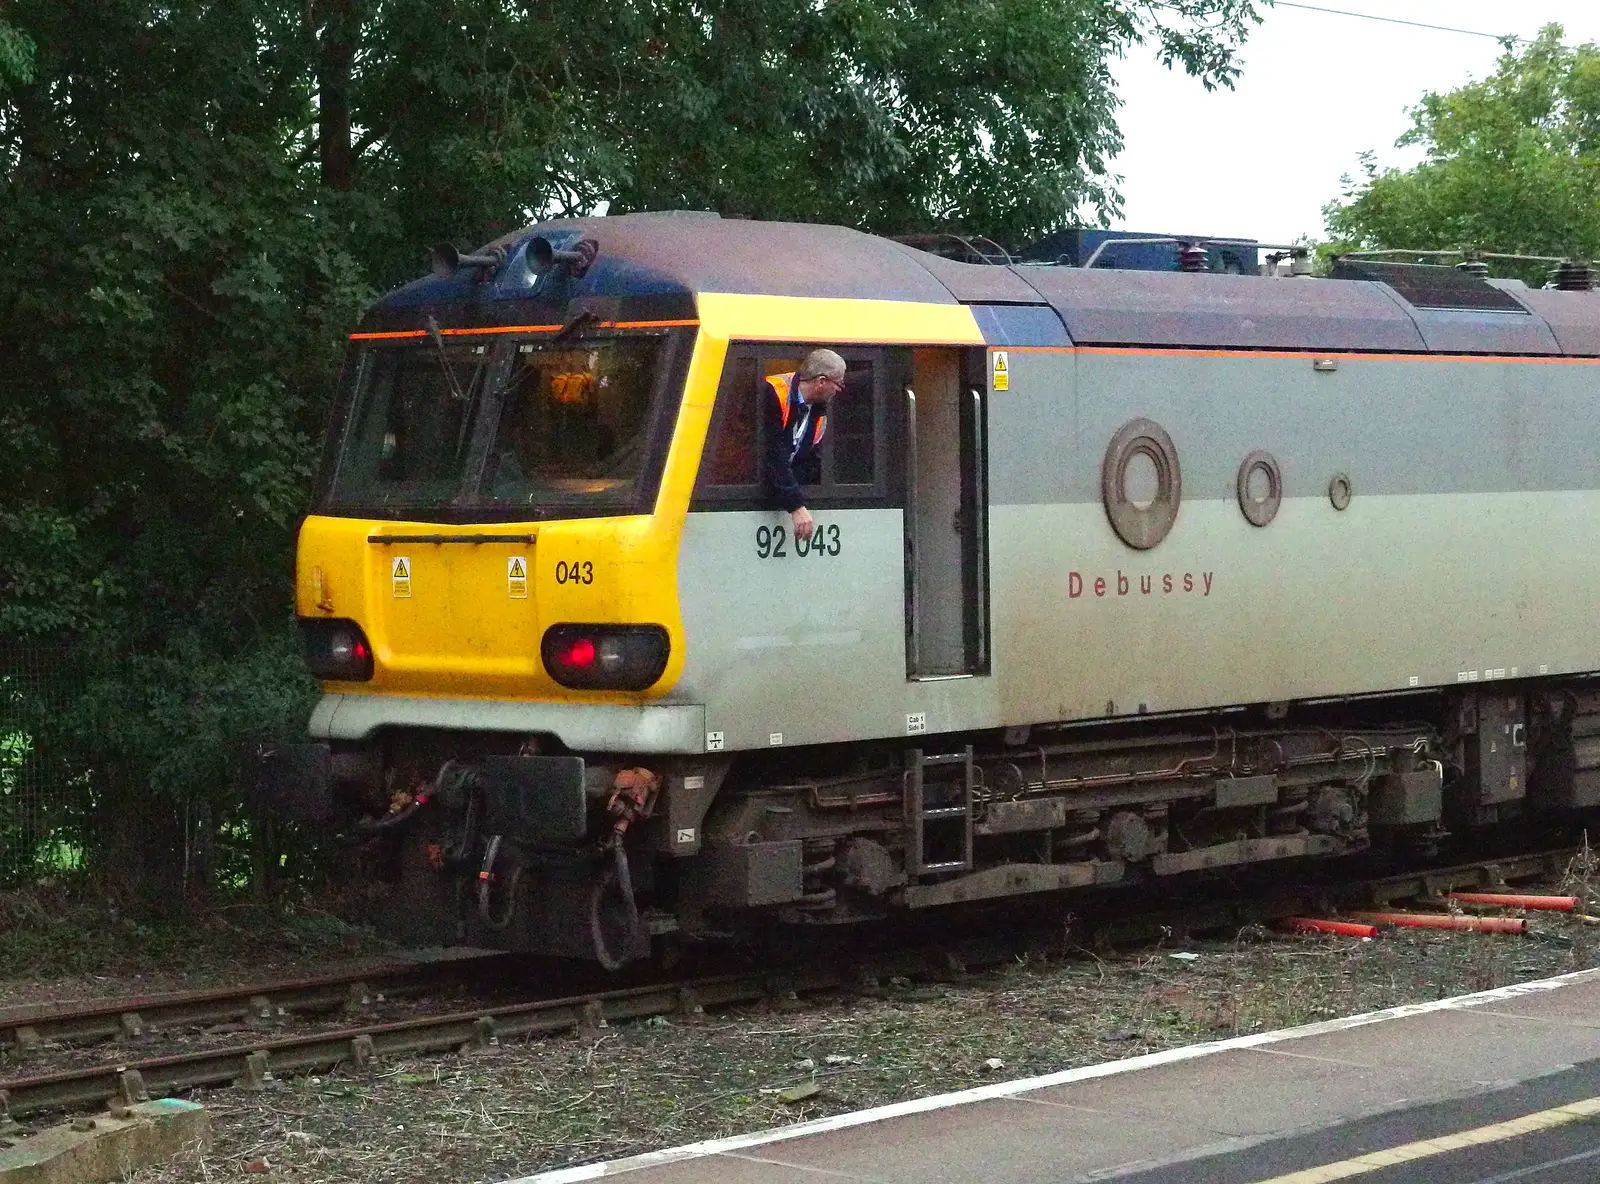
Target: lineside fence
(43, 812)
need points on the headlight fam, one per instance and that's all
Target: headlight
(336, 649)
(605, 657)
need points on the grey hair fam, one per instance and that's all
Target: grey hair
(821, 363)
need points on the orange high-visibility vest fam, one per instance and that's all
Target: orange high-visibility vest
(781, 385)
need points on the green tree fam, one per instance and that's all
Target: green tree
(196, 200)
(171, 296)
(1513, 163)
(994, 116)
(16, 56)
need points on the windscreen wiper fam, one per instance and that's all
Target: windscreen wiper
(579, 321)
(437, 338)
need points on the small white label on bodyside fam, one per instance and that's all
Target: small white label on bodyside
(685, 834)
(774, 738)
(713, 741)
(916, 722)
(694, 782)
(1544, 670)
(1412, 681)
(400, 573)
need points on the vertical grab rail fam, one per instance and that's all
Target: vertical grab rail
(980, 519)
(913, 608)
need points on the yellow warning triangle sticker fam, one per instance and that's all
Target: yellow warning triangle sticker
(516, 570)
(402, 570)
(999, 363)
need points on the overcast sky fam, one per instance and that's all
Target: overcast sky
(1261, 160)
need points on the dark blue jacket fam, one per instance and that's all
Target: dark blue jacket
(793, 430)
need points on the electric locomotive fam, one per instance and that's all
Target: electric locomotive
(1117, 575)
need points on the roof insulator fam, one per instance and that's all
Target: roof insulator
(1193, 257)
(1475, 267)
(1573, 275)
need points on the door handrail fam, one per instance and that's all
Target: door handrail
(913, 605)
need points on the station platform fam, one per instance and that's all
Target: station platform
(1489, 1088)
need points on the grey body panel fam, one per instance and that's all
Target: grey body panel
(1573, 317)
(1450, 331)
(973, 283)
(808, 649)
(1395, 425)
(583, 727)
(1467, 554)
(1033, 432)
(1224, 311)
(1036, 325)
(1464, 555)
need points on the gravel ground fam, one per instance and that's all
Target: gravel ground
(525, 1107)
(522, 1108)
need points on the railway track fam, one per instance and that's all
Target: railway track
(259, 1063)
(23, 1028)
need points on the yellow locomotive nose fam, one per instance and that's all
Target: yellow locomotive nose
(443, 612)
(490, 490)
(442, 609)
(513, 613)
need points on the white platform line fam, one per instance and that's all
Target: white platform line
(1006, 1089)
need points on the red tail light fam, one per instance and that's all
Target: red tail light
(605, 657)
(579, 655)
(336, 649)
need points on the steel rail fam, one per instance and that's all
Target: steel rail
(256, 1064)
(94, 1020)
(1488, 873)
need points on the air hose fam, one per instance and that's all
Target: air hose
(486, 878)
(617, 873)
(376, 826)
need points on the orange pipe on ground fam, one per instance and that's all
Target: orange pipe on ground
(1342, 928)
(1445, 921)
(1511, 900)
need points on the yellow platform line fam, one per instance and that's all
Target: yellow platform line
(1425, 1148)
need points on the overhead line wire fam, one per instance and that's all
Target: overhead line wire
(1391, 20)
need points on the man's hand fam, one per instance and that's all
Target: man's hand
(803, 523)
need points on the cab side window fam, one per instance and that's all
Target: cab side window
(732, 469)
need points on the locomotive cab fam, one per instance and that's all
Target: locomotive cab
(479, 509)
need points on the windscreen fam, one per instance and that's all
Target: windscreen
(574, 422)
(410, 441)
(504, 431)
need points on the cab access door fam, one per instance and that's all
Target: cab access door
(946, 548)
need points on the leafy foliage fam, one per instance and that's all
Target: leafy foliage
(16, 56)
(198, 199)
(988, 115)
(1513, 163)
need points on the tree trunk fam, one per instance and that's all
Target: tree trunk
(336, 50)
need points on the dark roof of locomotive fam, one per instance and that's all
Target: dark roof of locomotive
(656, 263)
